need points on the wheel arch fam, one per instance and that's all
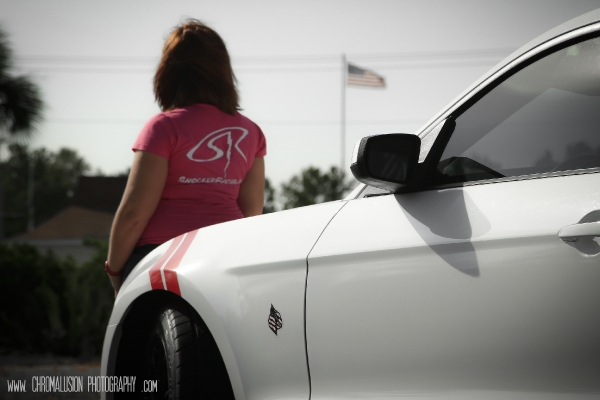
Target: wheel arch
(137, 321)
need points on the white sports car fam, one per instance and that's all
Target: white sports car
(466, 266)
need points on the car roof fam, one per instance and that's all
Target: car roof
(571, 25)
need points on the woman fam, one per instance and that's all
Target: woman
(197, 163)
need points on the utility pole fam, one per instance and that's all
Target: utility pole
(343, 116)
(30, 193)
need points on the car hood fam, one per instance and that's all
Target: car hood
(247, 246)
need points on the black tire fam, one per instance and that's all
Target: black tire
(182, 356)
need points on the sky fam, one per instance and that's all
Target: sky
(94, 62)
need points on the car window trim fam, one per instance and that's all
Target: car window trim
(467, 104)
(508, 74)
(518, 178)
(488, 84)
(545, 175)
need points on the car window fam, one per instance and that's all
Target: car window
(544, 118)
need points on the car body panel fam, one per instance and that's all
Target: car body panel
(461, 290)
(231, 274)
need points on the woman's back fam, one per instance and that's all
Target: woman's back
(209, 154)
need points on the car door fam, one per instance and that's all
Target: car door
(465, 289)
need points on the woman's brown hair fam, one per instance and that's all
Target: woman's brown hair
(195, 68)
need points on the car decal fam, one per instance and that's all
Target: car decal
(275, 320)
(162, 274)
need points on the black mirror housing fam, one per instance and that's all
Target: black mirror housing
(386, 161)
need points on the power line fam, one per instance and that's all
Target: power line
(391, 67)
(95, 121)
(49, 59)
(331, 122)
(269, 64)
(378, 67)
(96, 70)
(493, 52)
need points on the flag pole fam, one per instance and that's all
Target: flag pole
(343, 116)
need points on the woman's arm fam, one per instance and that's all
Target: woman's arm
(142, 194)
(252, 190)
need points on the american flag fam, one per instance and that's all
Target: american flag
(363, 77)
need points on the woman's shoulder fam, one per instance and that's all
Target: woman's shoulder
(211, 111)
(170, 119)
(156, 121)
(246, 121)
(208, 114)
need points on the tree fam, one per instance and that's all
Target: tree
(32, 288)
(312, 186)
(55, 177)
(20, 102)
(269, 205)
(52, 305)
(20, 109)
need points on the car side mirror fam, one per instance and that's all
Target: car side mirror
(386, 161)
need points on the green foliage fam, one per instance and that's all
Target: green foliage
(50, 305)
(312, 186)
(269, 205)
(20, 100)
(20, 109)
(5, 53)
(90, 299)
(32, 288)
(54, 176)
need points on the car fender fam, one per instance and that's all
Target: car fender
(234, 275)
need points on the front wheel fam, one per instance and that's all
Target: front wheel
(183, 359)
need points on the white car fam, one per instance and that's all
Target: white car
(466, 267)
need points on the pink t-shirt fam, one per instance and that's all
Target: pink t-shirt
(209, 154)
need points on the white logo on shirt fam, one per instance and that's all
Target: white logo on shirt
(213, 136)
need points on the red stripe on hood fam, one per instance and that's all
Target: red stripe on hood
(156, 280)
(169, 270)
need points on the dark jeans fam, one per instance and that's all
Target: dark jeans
(135, 257)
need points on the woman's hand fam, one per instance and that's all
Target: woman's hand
(116, 283)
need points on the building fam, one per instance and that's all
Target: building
(90, 215)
